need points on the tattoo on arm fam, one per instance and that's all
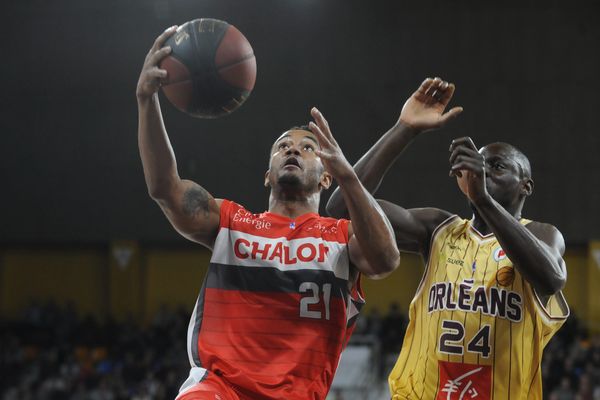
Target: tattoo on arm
(195, 200)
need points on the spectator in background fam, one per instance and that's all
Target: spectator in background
(393, 328)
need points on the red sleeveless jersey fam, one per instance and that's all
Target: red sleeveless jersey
(277, 306)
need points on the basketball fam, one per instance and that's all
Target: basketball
(505, 276)
(211, 69)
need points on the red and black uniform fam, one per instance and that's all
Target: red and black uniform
(276, 309)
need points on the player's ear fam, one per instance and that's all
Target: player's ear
(326, 180)
(266, 182)
(527, 186)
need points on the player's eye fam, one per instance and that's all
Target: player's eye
(308, 147)
(498, 165)
(283, 146)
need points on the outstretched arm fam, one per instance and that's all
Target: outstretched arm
(423, 111)
(371, 244)
(535, 249)
(192, 211)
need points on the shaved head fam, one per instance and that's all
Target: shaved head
(515, 154)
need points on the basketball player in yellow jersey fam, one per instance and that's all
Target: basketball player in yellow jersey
(490, 299)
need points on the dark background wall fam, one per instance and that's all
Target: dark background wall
(526, 72)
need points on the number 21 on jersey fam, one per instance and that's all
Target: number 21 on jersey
(313, 299)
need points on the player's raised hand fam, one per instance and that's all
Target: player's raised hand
(151, 75)
(425, 109)
(330, 152)
(468, 165)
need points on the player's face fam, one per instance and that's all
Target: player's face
(294, 162)
(504, 174)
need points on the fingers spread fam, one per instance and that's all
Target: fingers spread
(321, 138)
(322, 124)
(451, 114)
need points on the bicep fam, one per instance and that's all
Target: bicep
(413, 227)
(192, 211)
(549, 236)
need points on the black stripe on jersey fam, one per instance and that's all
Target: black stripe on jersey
(460, 273)
(267, 279)
(487, 262)
(537, 366)
(427, 260)
(523, 327)
(466, 314)
(512, 287)
(437, 332)
(198, 324)
(494, 362)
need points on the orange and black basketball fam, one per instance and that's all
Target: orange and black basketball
(211, 68)
(505, 276)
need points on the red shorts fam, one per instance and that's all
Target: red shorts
(204, 385)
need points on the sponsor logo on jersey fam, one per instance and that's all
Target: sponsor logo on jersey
(464, 381)
(322, 228)
(455, 261)
(279, 251)
(245, 217)
(455, 247)
(468, 297)
(499, 254)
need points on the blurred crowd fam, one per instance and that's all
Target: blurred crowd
(52, 353)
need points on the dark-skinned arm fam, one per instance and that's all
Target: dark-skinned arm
(423, 111)
(192, 211)
(536, 249)
(372, 167)
(371, 243)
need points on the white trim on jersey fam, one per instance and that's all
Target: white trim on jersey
(196, 376)
(545, 313)
(335, 258)
(190, 336)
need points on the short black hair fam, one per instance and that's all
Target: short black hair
(299, 128)
(293, 128)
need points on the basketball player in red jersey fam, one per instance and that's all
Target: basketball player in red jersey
(278, 303)
(490, 297)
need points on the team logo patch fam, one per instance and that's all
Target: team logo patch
(464, 381)
(505, 276)
(499, 254)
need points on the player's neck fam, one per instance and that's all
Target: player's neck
(292, 206)
(482, 227)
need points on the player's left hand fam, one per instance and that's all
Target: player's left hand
(330, 152)
(468, 165)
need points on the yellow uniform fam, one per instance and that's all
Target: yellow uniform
(477, 328)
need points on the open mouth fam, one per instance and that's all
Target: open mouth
(292, 162)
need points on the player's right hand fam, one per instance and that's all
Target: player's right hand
(151, 75)
(424, 110)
